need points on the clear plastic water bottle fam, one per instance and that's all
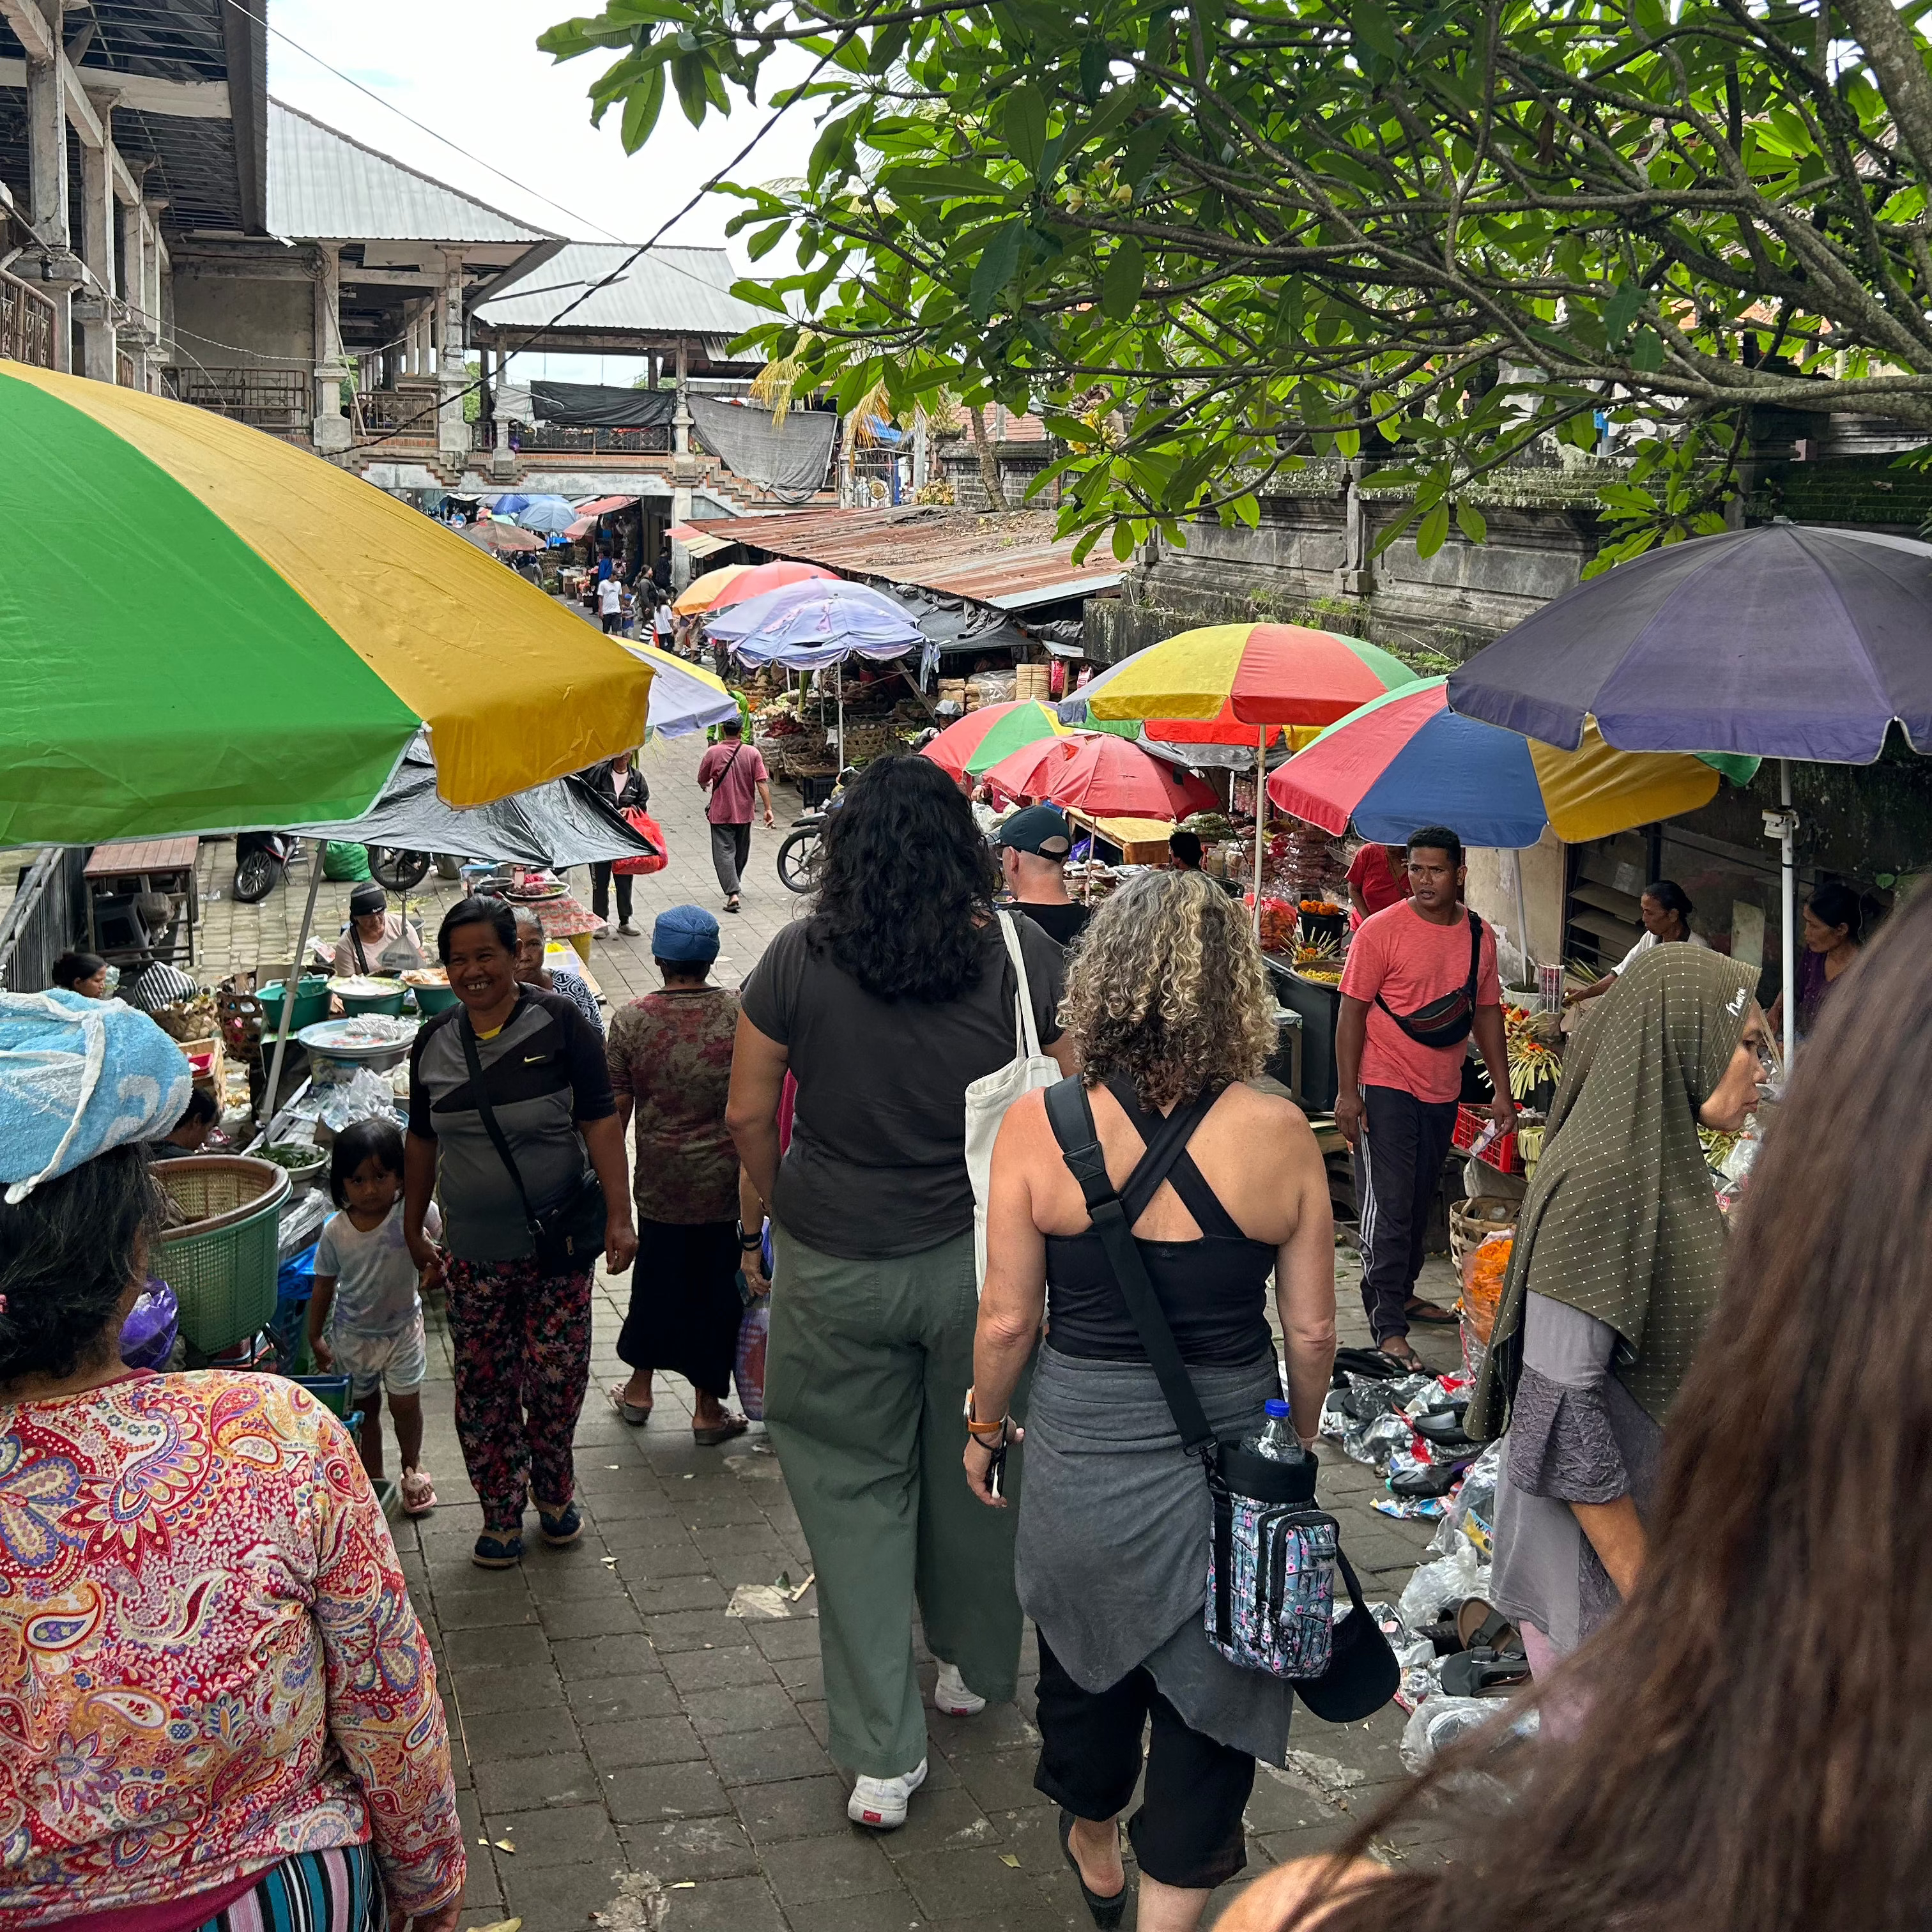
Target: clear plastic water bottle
(1276, 1440)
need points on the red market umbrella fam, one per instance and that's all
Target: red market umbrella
(1106, 777)
(1023, 773)
(759, 578)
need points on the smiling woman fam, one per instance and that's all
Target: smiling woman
(513, 1127)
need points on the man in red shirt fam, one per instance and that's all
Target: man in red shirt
(1378, 879)
(1420, 978)
(730, 770)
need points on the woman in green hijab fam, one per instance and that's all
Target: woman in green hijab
(1616, 1268)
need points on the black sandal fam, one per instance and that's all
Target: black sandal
(1484, 1673)
(1107, 1912)
(1430, 1313)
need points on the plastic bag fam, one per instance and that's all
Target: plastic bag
(148, 1335)
(748, 1369)
(301, 1221)
(1483, 1269)
(1438, 1722)
(1472, 1516)
(1436, 1586)
(366, 1095)
(344, 862)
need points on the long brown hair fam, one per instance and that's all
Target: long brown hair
(1755, 1746)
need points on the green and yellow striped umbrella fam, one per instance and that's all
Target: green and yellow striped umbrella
(202, 628)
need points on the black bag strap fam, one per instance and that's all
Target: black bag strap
(1407, 1024)
(467, 1033)
(1070, 1114)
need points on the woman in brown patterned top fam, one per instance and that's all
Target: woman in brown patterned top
(670, 1071)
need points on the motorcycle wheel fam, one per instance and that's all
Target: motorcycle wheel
(256, 874)
(798, 861)
(399, 870)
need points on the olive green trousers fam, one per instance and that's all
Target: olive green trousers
(866, 1371)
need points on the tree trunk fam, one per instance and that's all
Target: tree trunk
(989, 466)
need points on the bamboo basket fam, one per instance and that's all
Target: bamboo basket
(1470, 1221)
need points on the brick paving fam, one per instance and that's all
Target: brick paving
(627, 1748)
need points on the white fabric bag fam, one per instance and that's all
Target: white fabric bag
(989, 1096)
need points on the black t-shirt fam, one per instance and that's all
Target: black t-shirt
(876, 1166)
(1063, 923)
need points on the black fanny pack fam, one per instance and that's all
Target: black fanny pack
(1446, 1022)
(567, 1235)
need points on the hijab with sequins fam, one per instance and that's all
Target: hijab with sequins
(1621, 1219)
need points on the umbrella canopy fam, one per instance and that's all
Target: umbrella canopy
(1249, 674)
(564, 822)
(699, 594)
(684, 698)
(1103, 776)
(500, 538)
(754, 580)
(807, 626)
(1406, 760)
(1784, 641)
(984, 737)
(549, 516)
(294, 628)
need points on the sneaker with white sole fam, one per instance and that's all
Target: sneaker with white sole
(950, 1694)
(880, 1802)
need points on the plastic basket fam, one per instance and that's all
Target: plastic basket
(311, 1005)
(222, 1262)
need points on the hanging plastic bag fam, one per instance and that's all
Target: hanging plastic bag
(748, 1369)
(641, 822)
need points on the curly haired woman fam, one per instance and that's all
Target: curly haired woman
(1169, 1013)
(886, 1005)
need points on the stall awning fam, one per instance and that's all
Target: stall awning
(698, 543)
(602, 506)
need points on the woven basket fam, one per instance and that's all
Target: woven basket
(222, 1263)
(1470, 1221)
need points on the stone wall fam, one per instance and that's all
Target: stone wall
(270, 316)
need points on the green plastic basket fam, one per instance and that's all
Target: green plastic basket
(311, 1005)
(222, 1262)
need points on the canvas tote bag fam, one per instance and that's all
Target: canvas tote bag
(988, 1097)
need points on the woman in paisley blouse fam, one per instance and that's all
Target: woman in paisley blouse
(216, 1704)
(670, 1071)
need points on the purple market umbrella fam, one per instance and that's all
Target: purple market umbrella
(1787, 641)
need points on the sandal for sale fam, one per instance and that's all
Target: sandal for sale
(1369, 1362)
(418, 1491)
(1482, 1673)
(1480, 1625)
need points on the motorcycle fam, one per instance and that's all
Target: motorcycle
(261, 860)
(802, 852)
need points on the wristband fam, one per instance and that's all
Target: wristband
(988, 1434)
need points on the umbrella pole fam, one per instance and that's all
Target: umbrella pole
(1787, 866)
(290, 986)
(1261, 820)
(1523, 922)
(838, 672)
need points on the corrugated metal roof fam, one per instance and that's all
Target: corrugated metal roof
(322, 186)
(1011, 562)
(667, 292)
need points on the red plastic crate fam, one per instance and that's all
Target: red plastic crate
(1500, 1154)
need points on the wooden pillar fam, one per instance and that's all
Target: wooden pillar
(47, 186)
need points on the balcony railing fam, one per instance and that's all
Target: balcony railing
(26, 324)
(407, 415)
(564, 438)
(279, 400)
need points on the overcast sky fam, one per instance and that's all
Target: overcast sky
(471, 72)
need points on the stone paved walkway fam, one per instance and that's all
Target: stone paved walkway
(625, 1746)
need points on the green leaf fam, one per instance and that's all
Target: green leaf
(888, 43)
(641, 109)
(1093, 70)
(1620, 311)
(1373, 30)
(762, 243)
(1143, 148)
(994, 269)
(1121, 282)
(1435, 530)
(1647, 352)
(1470, 521)
(1023, 125)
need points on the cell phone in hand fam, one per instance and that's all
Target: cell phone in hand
(996, 1474)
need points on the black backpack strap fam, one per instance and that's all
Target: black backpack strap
(1070, 1114)
(467, 1033)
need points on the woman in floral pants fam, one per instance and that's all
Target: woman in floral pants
(522, 1333)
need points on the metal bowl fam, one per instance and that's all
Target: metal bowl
(325, 1042)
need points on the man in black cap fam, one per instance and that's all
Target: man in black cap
(1033, 847)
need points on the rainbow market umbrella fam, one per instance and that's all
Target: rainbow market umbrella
(291, 630)
(1406, 760)
(983, 737)
(1252, 675)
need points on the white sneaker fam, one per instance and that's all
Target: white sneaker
(880, 1802)
(950, 1694)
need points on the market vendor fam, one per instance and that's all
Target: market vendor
(377, 940)
(1378, 879)
(1831, 936)
(1666, 917)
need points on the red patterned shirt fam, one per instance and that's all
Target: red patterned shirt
(207, 1657)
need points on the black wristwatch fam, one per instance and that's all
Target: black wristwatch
(747, 1243)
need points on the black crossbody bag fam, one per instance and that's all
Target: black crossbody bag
(1446, 1022)
(1270, 1597)
(568, 1235)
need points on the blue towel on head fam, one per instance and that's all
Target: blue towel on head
(78, 1076)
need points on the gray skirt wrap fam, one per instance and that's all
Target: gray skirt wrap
(1112, 1553)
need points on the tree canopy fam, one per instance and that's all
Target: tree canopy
(1209, 240)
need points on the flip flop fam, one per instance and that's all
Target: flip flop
(721, 1432)
(636, 1414)
(1408, 1364)
(422, 1499)
(1430, 1313)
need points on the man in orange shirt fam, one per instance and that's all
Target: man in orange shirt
(1421, 979)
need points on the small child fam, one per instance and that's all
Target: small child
(373, 1332)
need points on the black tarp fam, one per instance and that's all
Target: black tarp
(595, 406)
(565, 823)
